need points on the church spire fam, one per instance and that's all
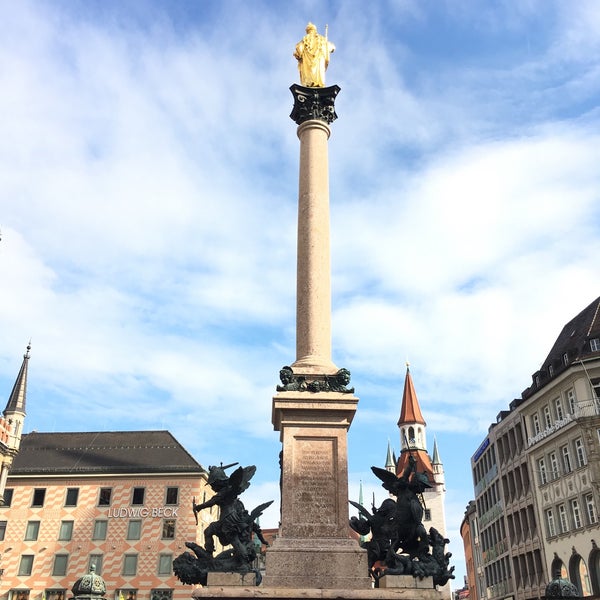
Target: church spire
(390, 460)
(436, 460)
(410, 411)
(14, 413)
(412, 426)
(11, 424)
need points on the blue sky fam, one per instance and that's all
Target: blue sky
(148, 189)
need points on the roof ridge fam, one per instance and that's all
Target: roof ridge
(593, 321)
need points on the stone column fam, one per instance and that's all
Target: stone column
(313, 287)
(313, 111)
(314, 409)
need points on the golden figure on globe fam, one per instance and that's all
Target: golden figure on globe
(312, 53)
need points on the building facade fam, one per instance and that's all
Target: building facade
(120, 501)
(537, 475)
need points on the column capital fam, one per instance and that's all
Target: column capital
(314, 103)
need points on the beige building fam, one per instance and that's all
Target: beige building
(121, 501)
(537, 475)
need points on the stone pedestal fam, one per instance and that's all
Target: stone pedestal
(406, 582)
(215, 579)
(313, 548)
(278, 593)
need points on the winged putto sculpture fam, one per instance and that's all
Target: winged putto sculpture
(236, 527)
(399, 543)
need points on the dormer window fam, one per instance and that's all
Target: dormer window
(565, 359)
(537, 381)
(551, 370)
(595, 345)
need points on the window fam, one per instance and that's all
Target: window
(559, 409)
(172, 495)
(550, 525)
(571, 400)
(168, 532)
(580, 452)
(138, 495)
(165, 562)
(554, 473)
(32, 530)
(134, 529)
(564, 523)
(72, 495)
(26, 565)
(96, 562)
(128, 594)
(59, 568)
(65, 532)
(566, 456)
(55, 594)
(130, 564)
(100, 527)
(542, 471)
(2, 530)
(104, 496)
(18, 595)
(551, 370)
(591, 510)
(547, 417)
(565, 359)
(535, 423)
(161, 594)
(39, 494)
(595, 345)
(8, 495)
(427, 514)
(576, 512)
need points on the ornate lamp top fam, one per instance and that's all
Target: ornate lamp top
(89, 586)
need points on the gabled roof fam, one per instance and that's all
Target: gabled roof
(574, 342)
(410, 411)
(18, 396)
(102, 452)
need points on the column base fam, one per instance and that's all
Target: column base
(322, 563)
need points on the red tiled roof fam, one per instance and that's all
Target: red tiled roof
(410, 411)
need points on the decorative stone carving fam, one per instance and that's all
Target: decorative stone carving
(319, 383)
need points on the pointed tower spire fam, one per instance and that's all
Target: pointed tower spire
(412, 431)
(438, 467)
(390, 462)
(436, 455)
(11, 423)
(17, 399)
(410, 411)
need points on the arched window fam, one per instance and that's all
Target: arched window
(580, 576)
(411, 436)
(594, 563)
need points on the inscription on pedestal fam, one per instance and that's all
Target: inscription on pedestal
(314, 498)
